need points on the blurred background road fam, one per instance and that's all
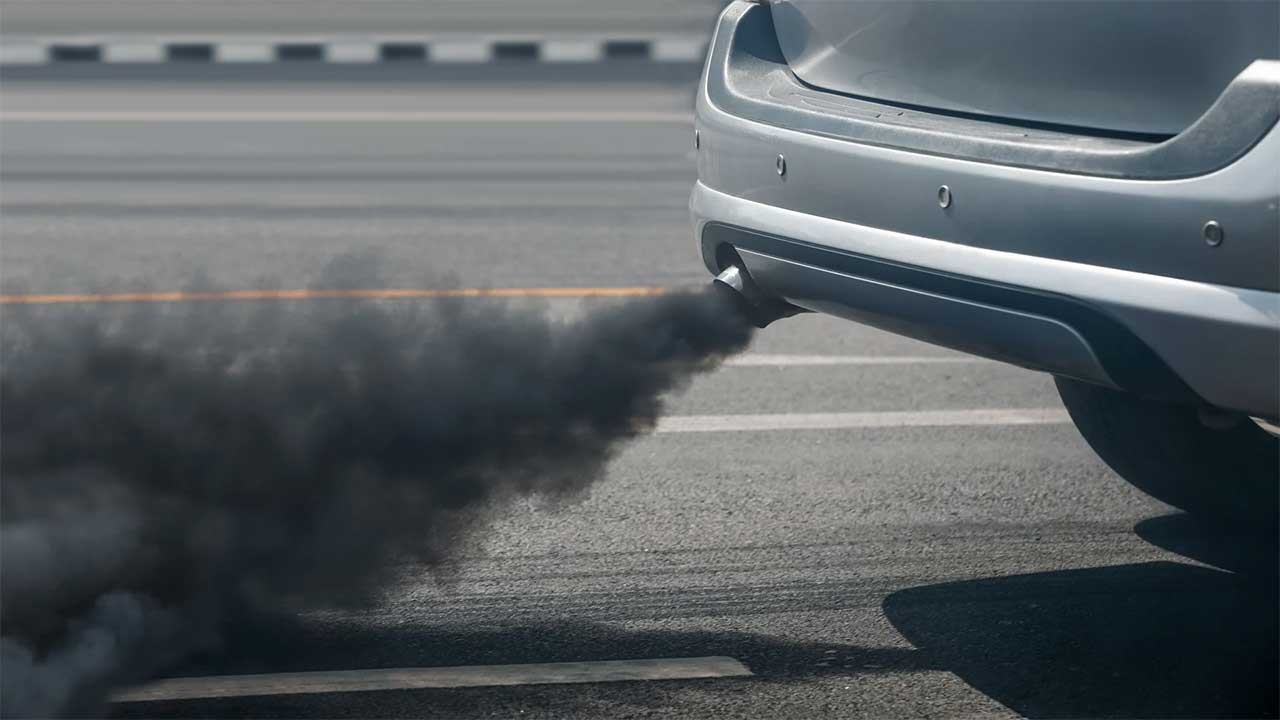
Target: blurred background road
(932, 556)
(241, 17)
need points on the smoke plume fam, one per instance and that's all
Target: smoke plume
(167, 467)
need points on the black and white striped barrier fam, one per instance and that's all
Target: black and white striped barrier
(388, 49)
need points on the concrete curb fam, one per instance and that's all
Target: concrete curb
(351, 50)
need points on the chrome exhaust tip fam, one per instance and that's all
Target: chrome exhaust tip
(734, 277)
(758, 308)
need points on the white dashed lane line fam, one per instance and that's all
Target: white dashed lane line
(768, 360)
(302, 683)
(847, 420)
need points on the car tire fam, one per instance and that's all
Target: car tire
(1225, 472)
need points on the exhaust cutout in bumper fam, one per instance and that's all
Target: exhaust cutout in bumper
(759, 308)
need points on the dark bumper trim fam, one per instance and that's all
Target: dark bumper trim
(1034, 329)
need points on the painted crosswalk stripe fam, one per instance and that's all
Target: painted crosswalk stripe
(851, 420)
(300, 683)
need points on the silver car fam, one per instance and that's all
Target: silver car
(1091, 189)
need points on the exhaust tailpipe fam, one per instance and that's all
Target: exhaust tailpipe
(759, 308)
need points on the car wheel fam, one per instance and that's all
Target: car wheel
(1221, 468)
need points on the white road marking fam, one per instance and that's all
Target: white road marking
(566, 51)
(351, 52)
(679, 49)
(460, 52)
(23, 54)
(137, 52)
(769, 360)
(442, 116)
(850, 420)
(244, 52)
(299, 683)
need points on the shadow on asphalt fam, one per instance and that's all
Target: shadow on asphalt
(1159, 639)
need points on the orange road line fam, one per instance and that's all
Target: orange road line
(365, 294)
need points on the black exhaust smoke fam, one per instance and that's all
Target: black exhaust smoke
(165, 468)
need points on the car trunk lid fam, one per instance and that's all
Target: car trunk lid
(1140, 66)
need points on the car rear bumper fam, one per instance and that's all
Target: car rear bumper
(1103, 278)
(1155, 335)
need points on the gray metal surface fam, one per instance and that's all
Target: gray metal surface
(1147, 226)
(1133, 248)
(1144, 66)
(1177, 319)
(748, 76)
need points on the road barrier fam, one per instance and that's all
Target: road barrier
(352, 50)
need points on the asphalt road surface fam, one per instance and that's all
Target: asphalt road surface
(928, 551)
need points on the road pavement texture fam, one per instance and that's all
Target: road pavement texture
(256, 17)
(838, 522)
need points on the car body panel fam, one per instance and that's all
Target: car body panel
(1141, 66)
(1222, 342)
(1150, 225)
(1130, 249)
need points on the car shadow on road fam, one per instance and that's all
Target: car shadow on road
(1158, 639)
